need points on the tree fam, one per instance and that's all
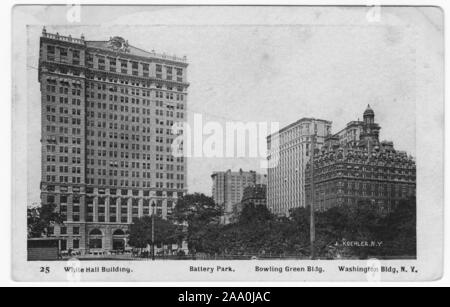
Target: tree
(252, 213)
(41, 218)
(400, 230)
(199, 212)
(258, 232)
(367, 222)
(141, 232)
(332, 227)
(197, 208)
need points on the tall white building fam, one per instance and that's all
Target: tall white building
(108, 109)
(288, 152)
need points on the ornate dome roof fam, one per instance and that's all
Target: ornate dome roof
(369, 111)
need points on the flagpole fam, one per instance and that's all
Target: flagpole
(312, 230)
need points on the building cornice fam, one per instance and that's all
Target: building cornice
(126, 56)
(299, 122)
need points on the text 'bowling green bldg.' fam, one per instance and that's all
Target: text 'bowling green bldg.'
(110, 113)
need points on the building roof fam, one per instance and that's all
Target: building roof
(230, 172)
(300, 121)
(115, 43)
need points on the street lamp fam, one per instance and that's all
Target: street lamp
(153, 230)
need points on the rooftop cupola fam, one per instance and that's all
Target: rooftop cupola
(369, 115)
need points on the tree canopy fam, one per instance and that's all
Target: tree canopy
(257, 232)
(202, 216)
(41, 218)
(165, 232)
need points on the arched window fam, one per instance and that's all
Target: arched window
(95, 232)
(95, 239)
(118, 239)
(118, 232)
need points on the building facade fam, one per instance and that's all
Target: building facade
(228, 188)
(255, 194)
(109, 118)
(353, 166)
(289, 151)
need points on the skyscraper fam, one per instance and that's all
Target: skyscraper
(109, 118)
(228, 188)
(353, 166)
(289, 151)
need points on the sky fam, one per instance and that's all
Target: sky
(262, 64)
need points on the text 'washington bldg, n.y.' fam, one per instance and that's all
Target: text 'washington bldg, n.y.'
(109, 118)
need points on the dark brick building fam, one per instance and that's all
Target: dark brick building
(255, 194)
(353, 165)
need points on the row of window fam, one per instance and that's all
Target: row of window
(62, 149)
(64, 159)
(158, 157)
(135, 66)
(63, 198)
(63, 90)
(62, 179)
(63, 169)
(62, 129)
(134, 184)
(132, 82)
(64, 120)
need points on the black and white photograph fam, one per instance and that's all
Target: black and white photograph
(228, 142)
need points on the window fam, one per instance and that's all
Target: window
(145, 68)
(95, 243)
(179, 74)
(112, 64)
(158, 71)
(124, 66)
(50, 53)
(169, 73)
(76, 57)
(95, 232)
(63, 55)
(101, 63)
(90, 60)
(76, 230)
(134, 68)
